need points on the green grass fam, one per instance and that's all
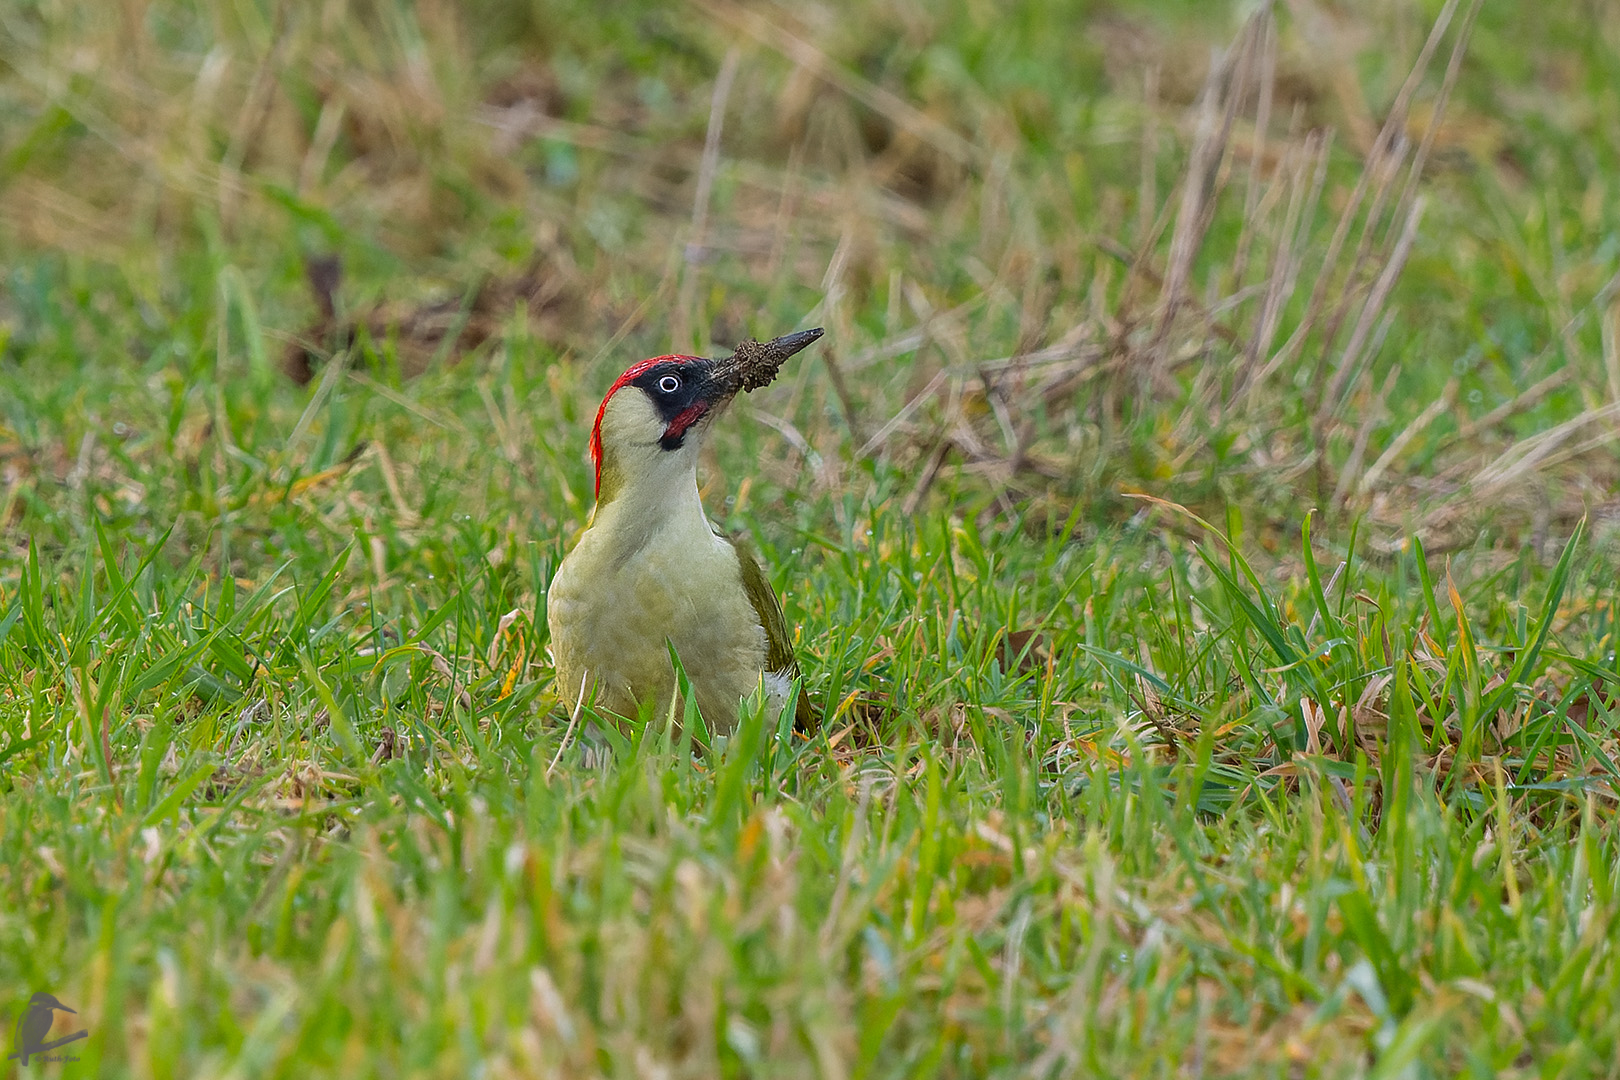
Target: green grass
(1183, 717)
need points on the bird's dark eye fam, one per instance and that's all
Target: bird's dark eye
(669, 384)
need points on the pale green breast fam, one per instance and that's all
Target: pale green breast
(611, 616)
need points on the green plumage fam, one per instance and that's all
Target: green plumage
(779, 658)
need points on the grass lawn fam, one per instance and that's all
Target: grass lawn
(1200, 522)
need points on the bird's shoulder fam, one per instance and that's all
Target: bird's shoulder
(779, 657)
(763, 598)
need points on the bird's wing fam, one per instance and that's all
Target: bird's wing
(779, 656)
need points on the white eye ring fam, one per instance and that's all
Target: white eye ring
(669, 384)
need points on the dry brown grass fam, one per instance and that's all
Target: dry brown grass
(985, 328)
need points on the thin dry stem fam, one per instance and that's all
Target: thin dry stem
(694, 252)
(1358, 450)
(1370, 312)
(1420, 423)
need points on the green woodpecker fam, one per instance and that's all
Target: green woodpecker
(651, 573)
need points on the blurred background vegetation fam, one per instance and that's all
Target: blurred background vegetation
(986, 204)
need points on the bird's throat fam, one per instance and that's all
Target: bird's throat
(660, 506)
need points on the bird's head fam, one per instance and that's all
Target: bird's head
(652, 420)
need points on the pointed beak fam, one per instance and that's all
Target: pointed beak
(755, 364)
